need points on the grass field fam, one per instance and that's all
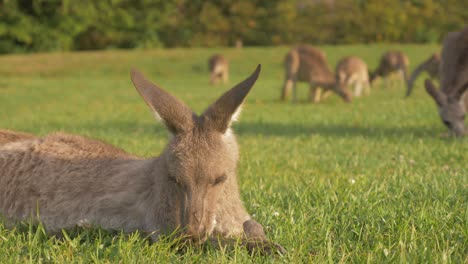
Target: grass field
(370, 181)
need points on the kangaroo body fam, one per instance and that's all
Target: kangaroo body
(392, 62)
(352, 72)
(70, 180)
(219, 69)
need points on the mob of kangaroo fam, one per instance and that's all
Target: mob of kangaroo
(66, 180)
(309, 64)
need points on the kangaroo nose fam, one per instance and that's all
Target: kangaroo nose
(197, 235)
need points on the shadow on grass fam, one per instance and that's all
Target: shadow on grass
(331, 130)
(129, 127)
(132, 127)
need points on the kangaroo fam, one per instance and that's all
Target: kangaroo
(219, 69)
(309, 64)
(390, 62)
(452, 97)
(67, 180)
(352, 71)
(430, 66)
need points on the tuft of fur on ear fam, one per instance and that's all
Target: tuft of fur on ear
(438, 96)
(227, 108)
(175, 114)
(236, 115)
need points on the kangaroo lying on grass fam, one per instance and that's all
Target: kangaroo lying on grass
(65, 181)
(431, 66)
(452, 98)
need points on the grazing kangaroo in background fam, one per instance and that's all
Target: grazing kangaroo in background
(309, 64)
(431, 66)
(452, 98)
(219, 69)
(67, 180)
(390, 62)
(352, 71)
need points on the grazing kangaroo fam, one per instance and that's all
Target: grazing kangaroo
(352, 71)
(452, 98)
(390, 62)
(430, 66)
(309, 64)
(67, 180)
(219, 69)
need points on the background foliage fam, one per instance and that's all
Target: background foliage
(59, 25)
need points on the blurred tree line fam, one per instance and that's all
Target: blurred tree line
(48, 25)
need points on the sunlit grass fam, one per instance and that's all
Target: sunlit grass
(370, 181)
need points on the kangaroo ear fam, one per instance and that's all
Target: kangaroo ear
(227, 108)
(438, 96)
(175, 114)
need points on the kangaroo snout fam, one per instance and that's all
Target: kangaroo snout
(196, 228)
(197, 233)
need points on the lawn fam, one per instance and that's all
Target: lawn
(370, 181)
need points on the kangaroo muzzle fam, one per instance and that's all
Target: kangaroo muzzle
(196, 218)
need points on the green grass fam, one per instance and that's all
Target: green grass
(370, 181)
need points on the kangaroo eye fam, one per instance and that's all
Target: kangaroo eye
(173, 180)
(447, 123)
(220, 180)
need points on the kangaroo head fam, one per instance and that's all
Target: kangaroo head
(201, 158)
(342, 90)
(451, 109)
